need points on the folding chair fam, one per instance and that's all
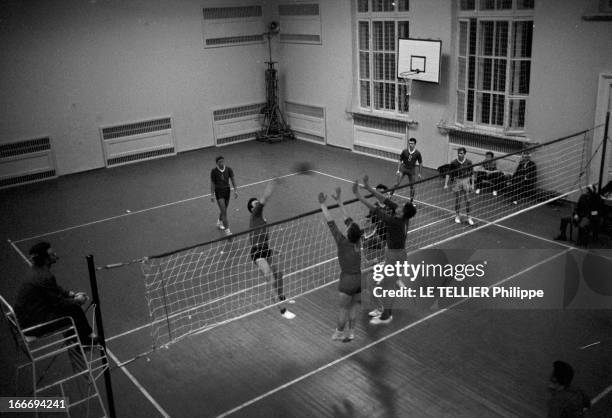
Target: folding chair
(59, 365)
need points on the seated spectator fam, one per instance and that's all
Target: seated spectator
(488, 175)
(524, 178)
(586, 217)
(40, 299)
(565, 401)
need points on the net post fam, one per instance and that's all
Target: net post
(98, 312)
(603, 152)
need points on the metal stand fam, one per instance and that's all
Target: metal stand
(274, 129)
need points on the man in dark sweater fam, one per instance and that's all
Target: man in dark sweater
(586, 216)
(524, 178)
(566, 401)
(40, 299)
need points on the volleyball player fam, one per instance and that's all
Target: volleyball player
(397, 229)
(261, 254)
(462, 175)
(411, 162)
(220, 177)
(349, 257)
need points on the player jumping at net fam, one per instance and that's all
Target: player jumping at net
(220, 178)
(410, 164)
(349, 258)
(261, 253)
(397, 230)
(461, 173)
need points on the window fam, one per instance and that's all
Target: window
(494, 63)
(379, 24)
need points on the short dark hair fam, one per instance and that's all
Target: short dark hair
(382, 187)
(409, 211)
(490, 153)
(250, 203)
(39, 253)
(461, 149)
(220, 157)
(412, 140)
(563, 373)
(353, 233)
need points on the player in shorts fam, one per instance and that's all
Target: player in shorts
(461, 173)
(220, 177)
(396, 227)
(410, 165)
(349, 258)
(261, 254)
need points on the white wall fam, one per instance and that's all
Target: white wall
(71, 66)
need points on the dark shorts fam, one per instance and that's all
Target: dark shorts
(223, 194)
(350, 283)
(408, 171)
(260, 251)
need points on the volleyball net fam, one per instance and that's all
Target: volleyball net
(193, 289)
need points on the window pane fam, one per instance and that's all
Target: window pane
(484, 101)
(520, 73)
(461, 73)
(501, 39)
(390, 67)
(379, 66)
(468, 4)
(382, 5)
(362, 6)
(402, 97)
(471, 72)
(364, 65)
(517, 113)
(522, 36)
(364, 36)
(364, 93)
(379, 91)
(460, 107)
(463, 28)
(497, 111)
(402, 5)
(402, 30)
(524, 4)
(377, 36)
(469, 115)
(499, 75)
(504, 4)
(390, 36)
(485, 66)
(486, 38)
(390, 96)
(487, 4)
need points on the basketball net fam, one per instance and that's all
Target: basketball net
(406, 76)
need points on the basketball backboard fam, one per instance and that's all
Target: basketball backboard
(419, 59)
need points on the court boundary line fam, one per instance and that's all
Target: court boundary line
(135, 212)
(383, 339)
(138, 385)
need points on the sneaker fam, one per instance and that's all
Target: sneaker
(494, 192)
(470, 221)
(227, 231)
(377, 320)
(477, 191)
(376, 312)
(220, 224)
(338, 335)
(515, 202)
(457, 220)
(349, 335)
(288, 314)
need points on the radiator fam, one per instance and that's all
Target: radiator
(26, 162)
(306, 121)
(137, 141)
(237, 124)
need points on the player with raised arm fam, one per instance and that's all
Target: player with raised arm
(396, 227)
(461, 173)
(261, 253)
(410, 164)
(220, 178)
(349, 258)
